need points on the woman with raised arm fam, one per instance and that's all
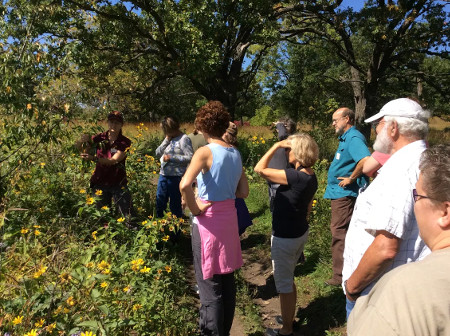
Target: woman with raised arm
(291, 206)
(215, 237)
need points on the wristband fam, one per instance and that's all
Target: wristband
(348, 292)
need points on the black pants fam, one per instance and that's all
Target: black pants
(121, 197)
(217, 295)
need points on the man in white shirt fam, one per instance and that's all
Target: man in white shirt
(383, 232)
(413, 299)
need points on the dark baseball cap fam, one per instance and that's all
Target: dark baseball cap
(115, 115)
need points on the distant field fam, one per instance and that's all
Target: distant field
(439, 130)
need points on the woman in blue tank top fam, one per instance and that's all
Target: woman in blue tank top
(216, 248)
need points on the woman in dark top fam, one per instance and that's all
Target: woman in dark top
(109, 180)
(292, 204)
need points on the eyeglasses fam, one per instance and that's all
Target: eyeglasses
(376, 123)
(417, 197)
(333, 121)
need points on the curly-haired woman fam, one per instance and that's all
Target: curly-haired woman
(291, 206)
(215, 237)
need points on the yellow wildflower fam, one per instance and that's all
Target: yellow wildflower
(87, 333)
(168, 269)
(82, 191)
(144, 222)
(103, 265)
(105, 208)
(18, 320)
(39, 272)
(145, 269)
(165, 238)
(24, 230)
(126, 289)
(29, 106)
(70, 301)
(50, 327)
(104, 284)
(89, 200)
(66, 310)
(90, 264)
(37, 226)
(31, 333)
(39, 323)
(37, 232)
(121, 219)
(155, 223)
(137, 306)
(99, 192)
(94, 235)
(255, 137)
(65, 277)
(42, 164)
(106, 271)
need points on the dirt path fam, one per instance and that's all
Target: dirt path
(257, 272)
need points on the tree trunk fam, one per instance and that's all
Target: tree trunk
(358, 96)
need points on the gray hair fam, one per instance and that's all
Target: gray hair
(411, 127)
(435, 169)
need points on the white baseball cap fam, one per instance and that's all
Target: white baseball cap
(402, 107)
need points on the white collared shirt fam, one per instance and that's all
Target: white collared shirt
(387, 204)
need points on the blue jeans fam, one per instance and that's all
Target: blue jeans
(349, 305)
(168, 190)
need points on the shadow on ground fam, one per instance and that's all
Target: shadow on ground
(322, 314)
(253, 240)
(309, 266)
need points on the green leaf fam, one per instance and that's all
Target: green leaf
(90, 323)
(95, 293)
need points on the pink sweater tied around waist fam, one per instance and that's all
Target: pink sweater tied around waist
(219, 234)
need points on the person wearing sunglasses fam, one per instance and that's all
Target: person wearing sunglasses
(383, 232)
(413, 299)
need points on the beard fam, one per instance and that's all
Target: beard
(341, 130)
(383, 143)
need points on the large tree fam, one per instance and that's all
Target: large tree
(206, 42)
(374, 42)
